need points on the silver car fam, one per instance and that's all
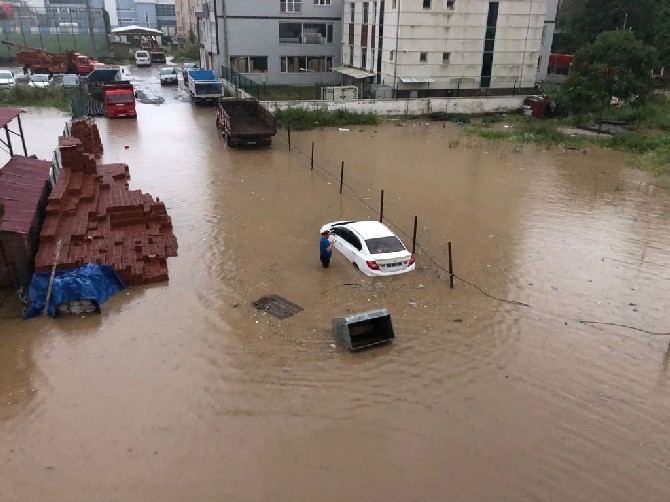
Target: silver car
(168, 76)
(7, 80)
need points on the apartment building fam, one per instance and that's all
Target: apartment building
(289, 42)
(423, 48)
(186, 20)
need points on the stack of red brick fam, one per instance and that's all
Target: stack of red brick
(99, 220)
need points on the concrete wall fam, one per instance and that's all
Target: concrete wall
(392, 107)
(547, 39)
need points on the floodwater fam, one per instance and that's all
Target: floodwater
(184, 391)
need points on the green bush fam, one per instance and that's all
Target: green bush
(302, 120)
(188, 53)
(51, 97)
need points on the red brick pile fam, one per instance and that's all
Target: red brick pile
(99, 220)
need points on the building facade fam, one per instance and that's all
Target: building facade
(187, 24)
(547, 39)
(422, 48)
(156, 14)
(289, 42)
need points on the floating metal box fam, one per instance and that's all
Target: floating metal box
(364, 329)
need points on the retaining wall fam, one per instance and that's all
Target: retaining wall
(416, 106)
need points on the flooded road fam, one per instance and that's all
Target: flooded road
(183, 391)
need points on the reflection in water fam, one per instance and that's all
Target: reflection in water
(475, 399)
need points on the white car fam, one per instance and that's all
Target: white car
(371, 246)
(7, 79)
(168, 76)
(40, 80)
(143, 58)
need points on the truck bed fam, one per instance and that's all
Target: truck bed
(246, 118)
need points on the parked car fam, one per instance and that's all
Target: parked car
(371, 246)
(142, 58)
(70, 81)
(41, 80)
(168, 75)
(7, 79)
(185, 67)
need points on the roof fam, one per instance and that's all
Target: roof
(8, 114)
(22, 182)
(135, 30)
(366, 229)
(416, 80)
(353, 72)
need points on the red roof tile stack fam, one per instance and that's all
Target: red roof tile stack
(99, 220)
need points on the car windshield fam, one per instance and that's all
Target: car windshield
(142, 55)
(389, 244)
(6, 74)
(167, 71)
(40, 78)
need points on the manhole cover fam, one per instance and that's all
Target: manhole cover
(277, 306)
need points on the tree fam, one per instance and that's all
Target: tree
(581, 22)
(616, 64)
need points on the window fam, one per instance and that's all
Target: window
(366, 12)
(426, 4)
(423, 57)
(391, 56)
(249, 64)
(290, 6)
(450, 4)
(306, 64)
(164, 10)
(364, 57)
(321, 2)
(351, 55)
(352, 12)
(393, 4)
(445, 57)
(305, 33)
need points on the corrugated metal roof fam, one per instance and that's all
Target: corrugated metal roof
(416, 80)
(22, 182)
(8, 114)
(353, 72)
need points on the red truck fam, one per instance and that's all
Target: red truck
(119, 100)
(35, 60)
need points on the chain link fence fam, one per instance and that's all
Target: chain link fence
(53, 29)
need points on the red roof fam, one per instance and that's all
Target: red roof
(8, 114)
(22, 184)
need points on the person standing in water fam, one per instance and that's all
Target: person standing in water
(325, 248)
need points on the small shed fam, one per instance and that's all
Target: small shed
(135, 35)
(24, 189)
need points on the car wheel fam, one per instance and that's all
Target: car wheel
(355, 265)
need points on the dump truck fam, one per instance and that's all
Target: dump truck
(155, 51)
(119, 99)
(35, 60)
(245, 122)
(204, 86)
(101, 75)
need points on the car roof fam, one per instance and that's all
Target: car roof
(368, 229)
(168, 68)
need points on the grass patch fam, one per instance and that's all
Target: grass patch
(52, 97)
(302, 120)
(189, 53)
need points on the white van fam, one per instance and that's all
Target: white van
(142, 58)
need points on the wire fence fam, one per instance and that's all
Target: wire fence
(53, 29)
(271, 92)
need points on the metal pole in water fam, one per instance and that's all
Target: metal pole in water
(381, 210)
(51, 278)
(451, 266)
(312, 161)
(414, 235)
(341, 176)
(289, 137)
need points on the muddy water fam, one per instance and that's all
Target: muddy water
(183, 391)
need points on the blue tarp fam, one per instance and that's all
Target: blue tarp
(90, 282)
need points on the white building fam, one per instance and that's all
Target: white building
(443, 47)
